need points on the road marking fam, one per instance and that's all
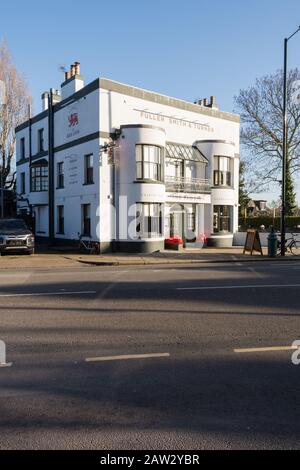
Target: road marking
(125, 357)
(267, 349)
(248, 286)
(37, 294)
(257, 274)
(108, 288)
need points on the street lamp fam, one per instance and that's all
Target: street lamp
(284, 143)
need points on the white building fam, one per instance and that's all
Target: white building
(128, 167)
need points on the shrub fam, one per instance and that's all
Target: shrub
(268, 222)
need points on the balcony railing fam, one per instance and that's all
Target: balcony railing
(187, 185)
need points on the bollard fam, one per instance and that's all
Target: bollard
(272, 244)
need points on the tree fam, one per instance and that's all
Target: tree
(243, 194)
(13, 112)
(261, 110)
(290, 195)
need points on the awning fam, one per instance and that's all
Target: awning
(184, 152)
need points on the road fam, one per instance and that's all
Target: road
(181, 381)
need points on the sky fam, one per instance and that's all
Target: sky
(187, 49)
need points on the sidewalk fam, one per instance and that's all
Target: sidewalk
(56, 258)
(188, 256)
(61, 259)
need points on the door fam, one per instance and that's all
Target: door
(177, 221)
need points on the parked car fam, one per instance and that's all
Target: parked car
(15, 236)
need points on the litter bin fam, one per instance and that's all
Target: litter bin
(272, 244)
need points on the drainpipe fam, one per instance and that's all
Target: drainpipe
(51, 167)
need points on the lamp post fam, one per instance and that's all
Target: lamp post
(284, 143)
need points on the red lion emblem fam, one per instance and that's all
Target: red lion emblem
(73, 119)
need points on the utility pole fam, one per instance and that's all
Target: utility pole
(2, 103)
(284, 144)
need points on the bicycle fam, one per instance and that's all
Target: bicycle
(290, 244)
(93, 248)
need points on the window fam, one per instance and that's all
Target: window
(60, 220)
(60, 175)
(22, 184)
(88, 169)
(222, 219)
(222, 171)
(149, 162)
(149, 220)
(22, 148)
(86, 219)
(39, 178)
(40, 140)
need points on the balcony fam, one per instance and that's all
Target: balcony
(180, 184)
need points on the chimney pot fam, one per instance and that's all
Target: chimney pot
(205, 102)
(72, 70)
(77, 68)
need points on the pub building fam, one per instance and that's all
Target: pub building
(128, 168)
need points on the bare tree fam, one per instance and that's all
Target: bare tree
(13, 111)
(261, 110)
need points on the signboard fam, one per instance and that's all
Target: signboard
(252, 242)
(72, 169)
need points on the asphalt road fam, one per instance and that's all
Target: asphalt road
(196, 392)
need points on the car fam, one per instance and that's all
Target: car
(15, 236)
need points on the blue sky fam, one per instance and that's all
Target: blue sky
(189, 49)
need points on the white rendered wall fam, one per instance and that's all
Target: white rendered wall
(127, 185)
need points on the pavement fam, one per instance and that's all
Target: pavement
(189, 356)
(62, 258)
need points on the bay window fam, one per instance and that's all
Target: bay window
(149, 162)
(148, 220)
(222, 219)
(222, 171)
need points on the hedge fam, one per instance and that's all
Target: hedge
(268, 222)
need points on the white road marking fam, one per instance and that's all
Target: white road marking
(108, 288)
(248, 286)
(267, 349)
(125, 357)
(257, 274)
(37, 294)
(7, 364)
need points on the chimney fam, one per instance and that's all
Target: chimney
(56, 98)
(67, 75)
(73, 81)
(45, 100)
(213, 103)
